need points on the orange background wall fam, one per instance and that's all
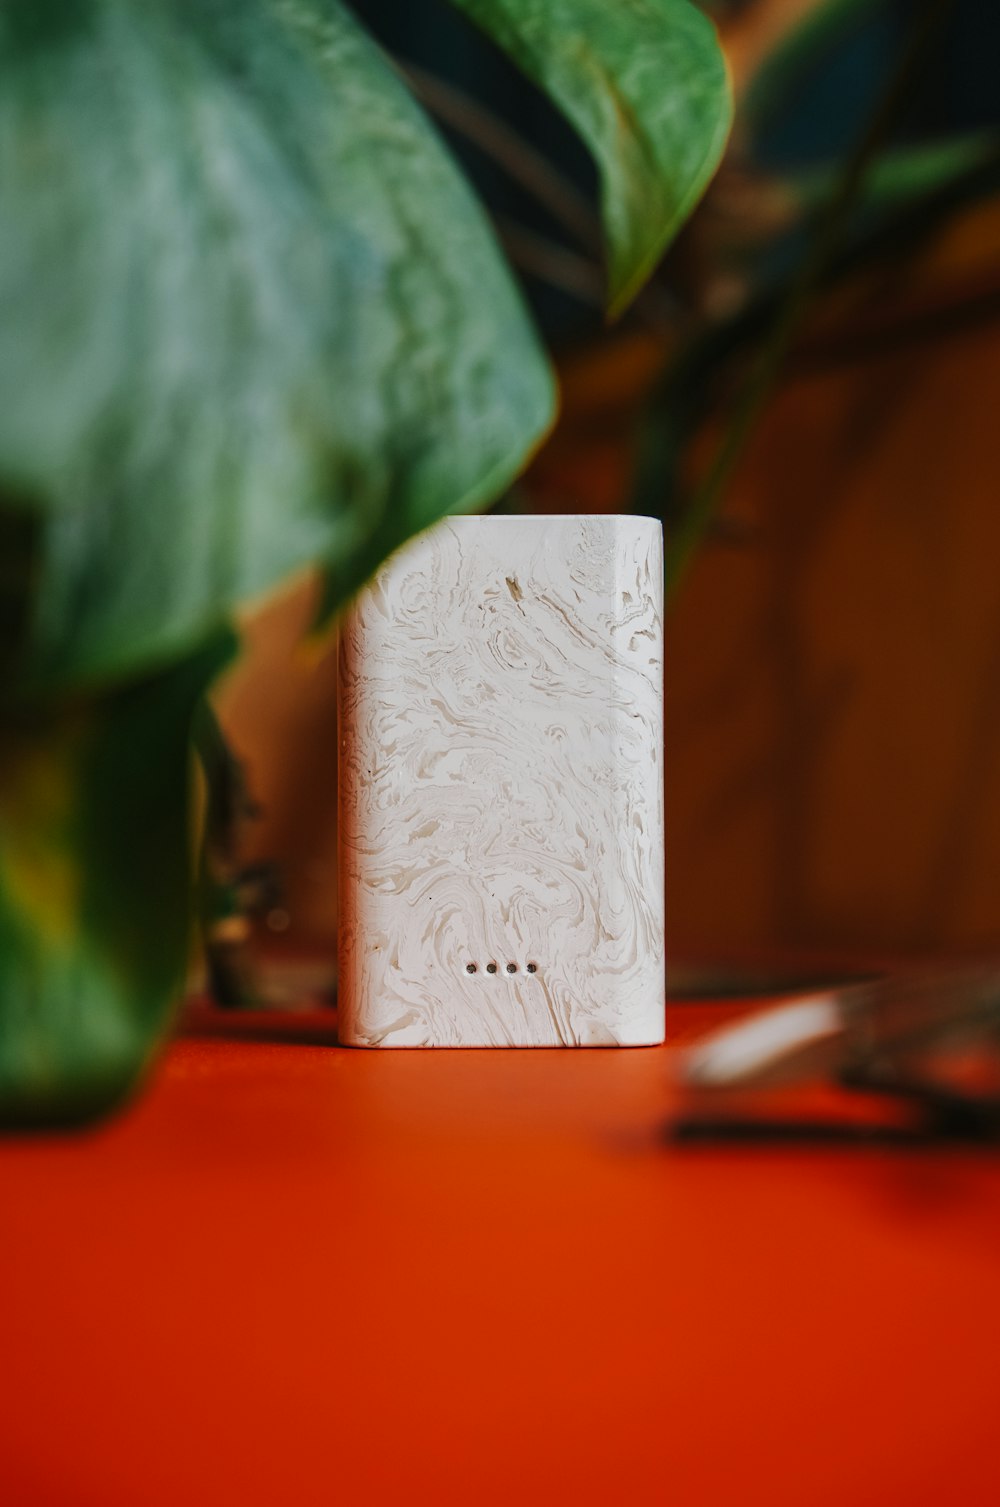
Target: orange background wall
(832, 682)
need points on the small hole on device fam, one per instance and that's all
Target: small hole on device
(532, 968)
(470, 967)
(491, 967)
(511, 967)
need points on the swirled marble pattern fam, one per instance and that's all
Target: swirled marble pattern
(501, 788)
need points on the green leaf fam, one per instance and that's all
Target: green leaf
(786, 72)
(95, 887)
(250, 316)
(645, 84)
(902, 174)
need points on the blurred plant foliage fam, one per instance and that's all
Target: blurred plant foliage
(857, 141)
(251, 317)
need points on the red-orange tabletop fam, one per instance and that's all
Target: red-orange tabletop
(299, 1274)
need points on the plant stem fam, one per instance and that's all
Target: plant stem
(493, 136)
(692, 527)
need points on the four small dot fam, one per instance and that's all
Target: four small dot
(510, 967)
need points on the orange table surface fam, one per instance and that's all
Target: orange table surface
(299, 1274)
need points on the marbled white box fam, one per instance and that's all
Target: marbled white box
(501, 822)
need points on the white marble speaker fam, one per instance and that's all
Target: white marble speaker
(501, 821)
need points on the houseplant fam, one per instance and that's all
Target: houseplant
(252, 317)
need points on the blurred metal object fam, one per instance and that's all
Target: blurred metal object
(786, 1043)
(929, 1040)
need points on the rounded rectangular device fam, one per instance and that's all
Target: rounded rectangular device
(501, 788)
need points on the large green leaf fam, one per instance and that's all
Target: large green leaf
(645, 84)
(250, 316)
(95, 886)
